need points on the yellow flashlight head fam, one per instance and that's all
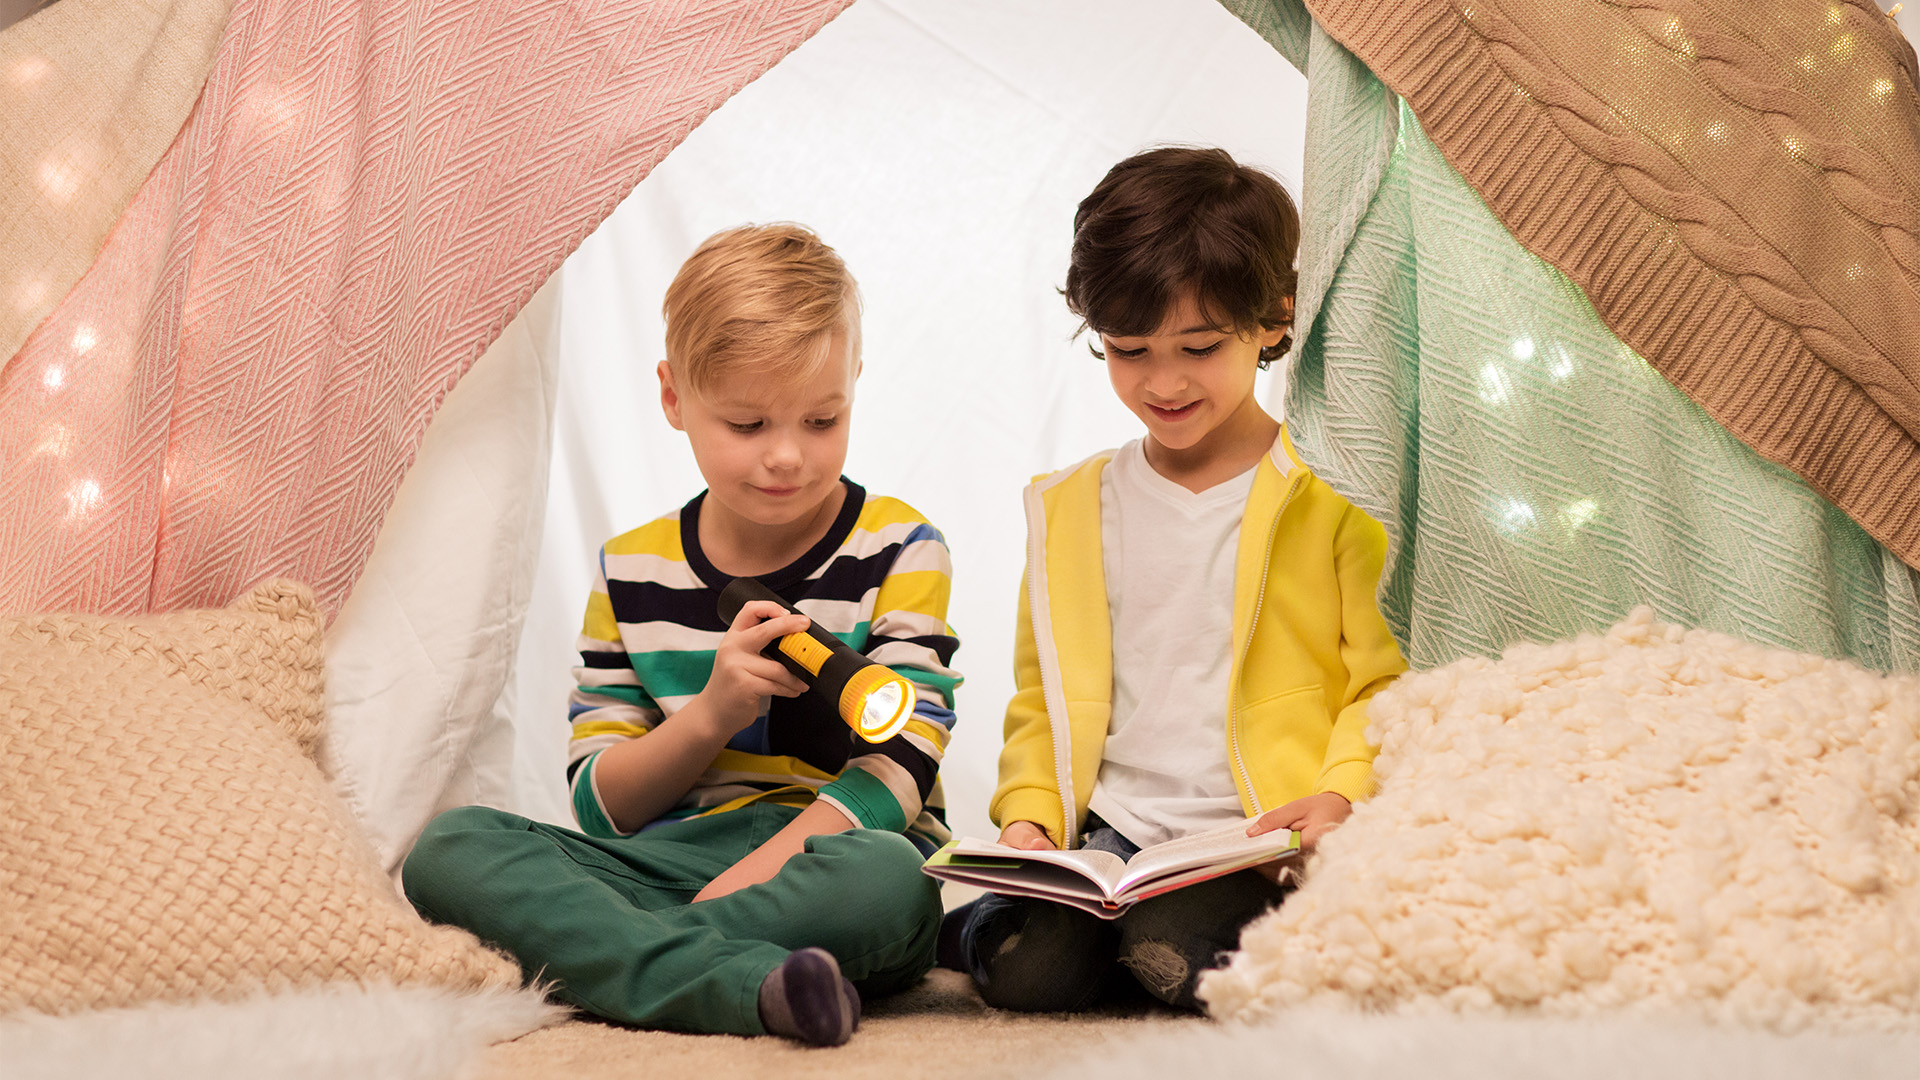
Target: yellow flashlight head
(876, 703)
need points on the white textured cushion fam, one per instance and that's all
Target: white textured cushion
(1670, 822)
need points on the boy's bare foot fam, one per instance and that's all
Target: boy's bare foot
(806, 998)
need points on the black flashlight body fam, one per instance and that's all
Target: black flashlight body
(825, 663)
(825, 670)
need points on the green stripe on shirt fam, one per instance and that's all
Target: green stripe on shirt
(871, 803)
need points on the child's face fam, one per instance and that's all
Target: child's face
(771, 450)
(1185, 379)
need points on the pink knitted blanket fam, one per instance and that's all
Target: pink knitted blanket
(366, 193)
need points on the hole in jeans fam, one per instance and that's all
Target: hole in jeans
(1158, 965)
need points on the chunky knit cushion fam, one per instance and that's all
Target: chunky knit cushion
(1663, 821)
(164, 831)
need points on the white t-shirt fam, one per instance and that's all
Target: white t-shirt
(1169, 556)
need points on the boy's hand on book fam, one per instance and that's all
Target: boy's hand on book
(741, 676)
(1311, 817)
(1026, 836)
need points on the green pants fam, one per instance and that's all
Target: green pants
(610, 923)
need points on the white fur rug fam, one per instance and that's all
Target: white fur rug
(1663, 822)
(338, 1032)
(1318, 1044)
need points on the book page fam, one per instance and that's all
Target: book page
(1226, 845)
(1101, 867)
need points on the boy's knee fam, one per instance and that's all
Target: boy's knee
(442, 857)
(1034, 956)
(884, 862)
(900, 867)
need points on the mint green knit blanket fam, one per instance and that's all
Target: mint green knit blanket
(1536, 477)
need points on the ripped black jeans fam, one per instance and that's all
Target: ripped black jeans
(1039, 956)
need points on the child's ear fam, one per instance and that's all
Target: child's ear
(1270, 338)
(669, 396)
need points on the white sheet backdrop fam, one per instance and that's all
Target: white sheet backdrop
(940, 146)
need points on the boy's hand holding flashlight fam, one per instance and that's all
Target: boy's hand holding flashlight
(741, 675)
(874, 700)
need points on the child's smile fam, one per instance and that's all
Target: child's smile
(1191, 383)
(1175, 413)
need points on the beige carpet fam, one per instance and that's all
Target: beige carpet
(938, 1030)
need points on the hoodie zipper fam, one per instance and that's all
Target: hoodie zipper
(1259, 600)
(1062, 747)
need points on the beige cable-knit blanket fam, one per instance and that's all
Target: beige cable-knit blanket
(1735, 184)
(1665, 821)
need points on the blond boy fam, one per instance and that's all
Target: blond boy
(743, 862)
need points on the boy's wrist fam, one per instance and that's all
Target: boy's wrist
(709, 718)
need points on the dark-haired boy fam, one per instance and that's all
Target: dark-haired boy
(1199, 635)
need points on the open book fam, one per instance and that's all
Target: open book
(1100, 881)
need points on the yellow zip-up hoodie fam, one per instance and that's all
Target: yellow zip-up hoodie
(1310, 647)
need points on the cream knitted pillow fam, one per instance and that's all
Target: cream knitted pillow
(1662, 821)
(164, 831)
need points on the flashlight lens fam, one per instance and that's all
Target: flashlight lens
(882, 708)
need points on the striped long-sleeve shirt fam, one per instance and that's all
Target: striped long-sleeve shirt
(878, 580)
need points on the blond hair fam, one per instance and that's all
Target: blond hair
(765, 298)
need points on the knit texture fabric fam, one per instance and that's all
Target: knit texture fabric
(363, 195)
(1537, 477)
(1669, 822)
(94, 92)
(168, 834)
(1734, 184)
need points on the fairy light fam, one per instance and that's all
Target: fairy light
(60, 179)
(1562, 365)
(1514, 515)
(30, 69)
(30, 293)
(84, 339)
(1677, 38)
(55, 377)
(83, 499)
(58, 441)
(1495, 386)
(1579, 513)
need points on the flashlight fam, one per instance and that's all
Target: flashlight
(872, 698)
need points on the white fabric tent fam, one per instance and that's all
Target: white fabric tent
(941, 148)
